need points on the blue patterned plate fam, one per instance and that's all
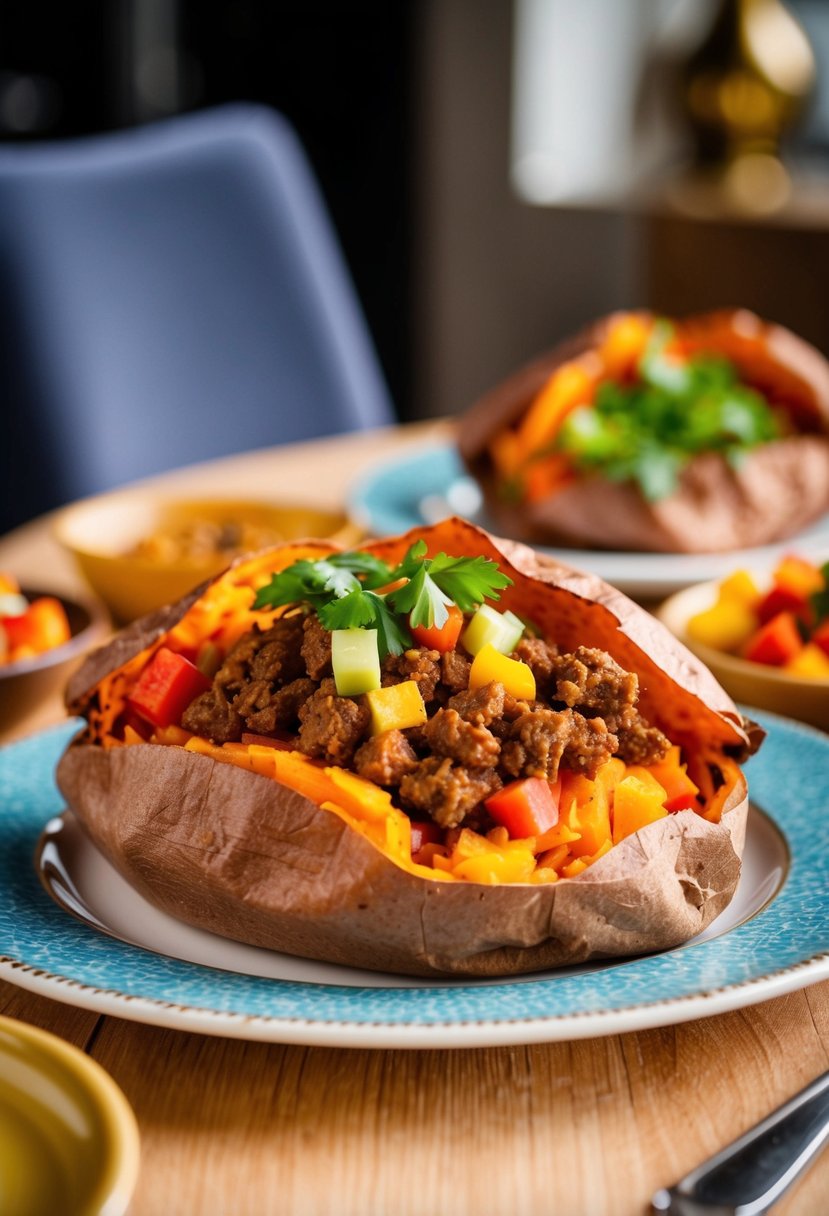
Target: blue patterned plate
(783, 946)
(429, 483)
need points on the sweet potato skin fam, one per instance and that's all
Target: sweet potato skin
(777, 490)
(234, 852)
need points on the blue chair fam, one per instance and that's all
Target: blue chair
(169, 294)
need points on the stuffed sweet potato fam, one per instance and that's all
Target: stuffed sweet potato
(698, 435)
(358, 757)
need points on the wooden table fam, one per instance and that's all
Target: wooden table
(595, 1126)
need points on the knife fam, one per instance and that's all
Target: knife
(750, 1175)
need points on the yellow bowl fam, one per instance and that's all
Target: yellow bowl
(68, 1137)
(751, 683)
(102, 533)
(24, 685)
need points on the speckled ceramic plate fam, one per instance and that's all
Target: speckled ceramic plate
(778, 942)
(430, 483)
(68, 1137)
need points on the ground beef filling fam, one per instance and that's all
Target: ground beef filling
(279, 682)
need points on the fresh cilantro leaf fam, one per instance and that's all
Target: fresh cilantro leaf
(422, 600)
(352, 611)
(648, 431)
(468, 581)
(412, 562)
(372, 571)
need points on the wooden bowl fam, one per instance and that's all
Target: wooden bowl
(750, 683)
(26, 684)
(102, 534)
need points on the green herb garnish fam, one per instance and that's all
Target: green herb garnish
(647, 432)
(344, 591)
(820, 600)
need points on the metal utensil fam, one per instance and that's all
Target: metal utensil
(750, 1175)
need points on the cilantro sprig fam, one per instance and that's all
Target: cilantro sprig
(345, 590)
(648, 431)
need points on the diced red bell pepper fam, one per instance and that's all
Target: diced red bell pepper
(166, 687)
(425, 833)
(784, 599)
(283, 742)
(443, 639)
(528, 807)
(774, 643)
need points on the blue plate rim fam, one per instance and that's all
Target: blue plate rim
(752, 962)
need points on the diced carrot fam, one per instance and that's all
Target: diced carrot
(444, 638)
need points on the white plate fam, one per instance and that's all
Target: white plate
(430, 483)
(774, 939)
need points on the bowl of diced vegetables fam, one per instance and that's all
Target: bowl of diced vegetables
(765, 636)
(43, 636)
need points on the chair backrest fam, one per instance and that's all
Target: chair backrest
(169, 294)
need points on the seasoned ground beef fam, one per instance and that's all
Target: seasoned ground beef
(279, 658)
(541, 739)
(473, 741)
(591, 679)
(481, 705)
(316, 648)
(386, 759)
(447, 734)
(332, 727)
(418, 664)
(539, 656)
(454, 670)
(265, 711)
(640, 743)
(212, 717)
(447, 792)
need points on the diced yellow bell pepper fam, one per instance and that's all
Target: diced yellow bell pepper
(723, 626)
(637, 801)
(396, 708)
(810, 662)
(739, 588)
(516, 677)
(574, 868)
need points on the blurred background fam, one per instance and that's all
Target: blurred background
(498, 172)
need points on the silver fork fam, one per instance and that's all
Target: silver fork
(750, 1175)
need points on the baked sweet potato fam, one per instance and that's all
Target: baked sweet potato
(254, 840)
(730, 498)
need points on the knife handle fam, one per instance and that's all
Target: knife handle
(751, 1174)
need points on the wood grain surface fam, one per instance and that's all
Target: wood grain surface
(595, 1126)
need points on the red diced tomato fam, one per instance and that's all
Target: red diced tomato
(774, 643)
(784, 599)
(443, 639)
(166, 687)
(425, 833)
(283, 742)
(528, 807)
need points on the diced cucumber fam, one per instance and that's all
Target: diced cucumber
(356, 661)
(500, 630)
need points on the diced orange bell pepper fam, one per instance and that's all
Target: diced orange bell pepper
(591, 817)
(636, 803)
(798, 575)
(775, 643)
(527, 807)
(681, 793)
